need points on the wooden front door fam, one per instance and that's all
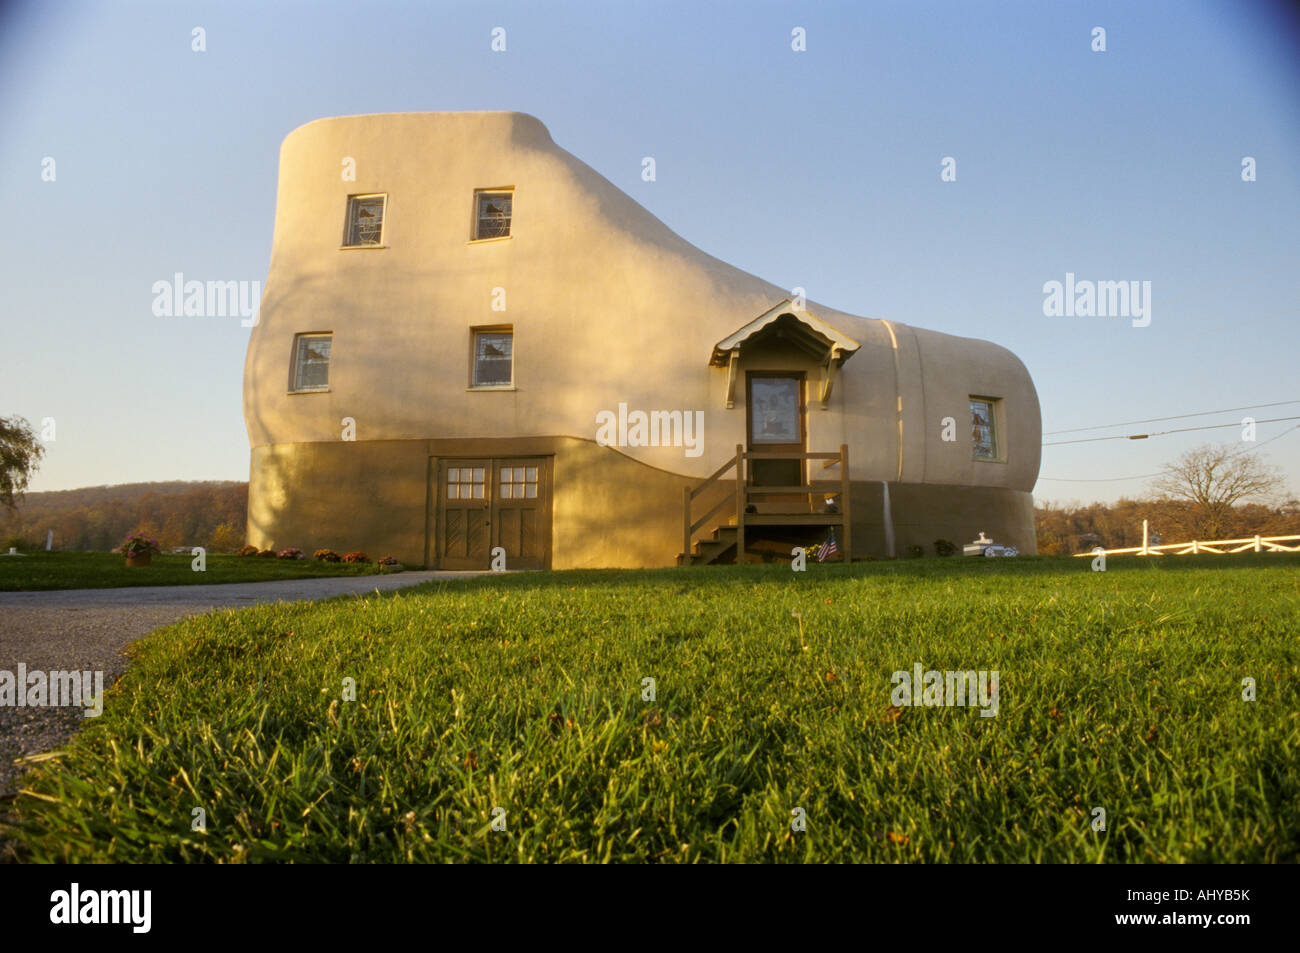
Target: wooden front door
(486, 503)
(776, 422)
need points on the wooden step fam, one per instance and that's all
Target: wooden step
(794, 519)
(819, 487)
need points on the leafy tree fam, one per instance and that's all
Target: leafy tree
(20, 452)
(1213, 480)
(226, 538)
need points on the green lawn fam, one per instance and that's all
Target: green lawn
(52, 570)
(1119, 690)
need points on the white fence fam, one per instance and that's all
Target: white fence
(1258, 544)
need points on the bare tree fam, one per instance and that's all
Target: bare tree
(1214, 479)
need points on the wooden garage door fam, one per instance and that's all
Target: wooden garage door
(464, 514)
(486, 503)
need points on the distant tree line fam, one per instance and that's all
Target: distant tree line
(1210, 492)
(177, 513)
(1063, 529)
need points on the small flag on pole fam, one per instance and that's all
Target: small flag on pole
(827, 548)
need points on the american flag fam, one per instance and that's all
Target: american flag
(827, 548)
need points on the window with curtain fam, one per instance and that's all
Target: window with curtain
(983, 423)
(493, 358)
(311, 362)
(365, 220)
(492, 214)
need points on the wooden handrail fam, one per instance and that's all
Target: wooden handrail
(689, 495)
(812, 487)
(744, 491)
(726, 500)
(790, 455)
(711, 480)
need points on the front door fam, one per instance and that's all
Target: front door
(776, 423)
(488, 503)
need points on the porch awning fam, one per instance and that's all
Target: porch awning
(796, 327)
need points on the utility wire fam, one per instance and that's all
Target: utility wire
(1161, 433)
(1148, 476)
(1154, 420)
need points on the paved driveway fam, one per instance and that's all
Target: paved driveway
(86, 630)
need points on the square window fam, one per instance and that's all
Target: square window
(984, 436)
(365, 224)
(531, 491)
(478, 474)
(453, 475)
(452, 493)
(493, 358)
(492, 214)
(311, 362)
(478, 491)
(519, 474)
(505, 491)
(532, 474)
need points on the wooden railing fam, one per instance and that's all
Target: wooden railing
(744, 491)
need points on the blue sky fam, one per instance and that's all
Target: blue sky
(818, 169)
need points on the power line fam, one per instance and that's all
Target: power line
(1148, 476)
(1154, 420)
(1161, 433)
(1101, 480)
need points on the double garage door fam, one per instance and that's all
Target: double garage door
(484, 504)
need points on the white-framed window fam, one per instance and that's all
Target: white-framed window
(492, 210)
(311, 362)
(493, 357)
(466, 483)
(518, 483)
(984, 428)
(365, 223)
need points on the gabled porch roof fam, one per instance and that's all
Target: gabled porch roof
(801, 329)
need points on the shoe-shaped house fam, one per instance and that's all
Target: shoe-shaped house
(471, 343)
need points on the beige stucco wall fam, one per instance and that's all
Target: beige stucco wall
(607, 305)
(610, 510)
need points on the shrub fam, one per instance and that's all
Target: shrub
(914, 552)
(137, 544)
(267, 554)
(356, 558)
(326, 555)
(290, 553)
(388, 561)
(945, 547)
(247, 551)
